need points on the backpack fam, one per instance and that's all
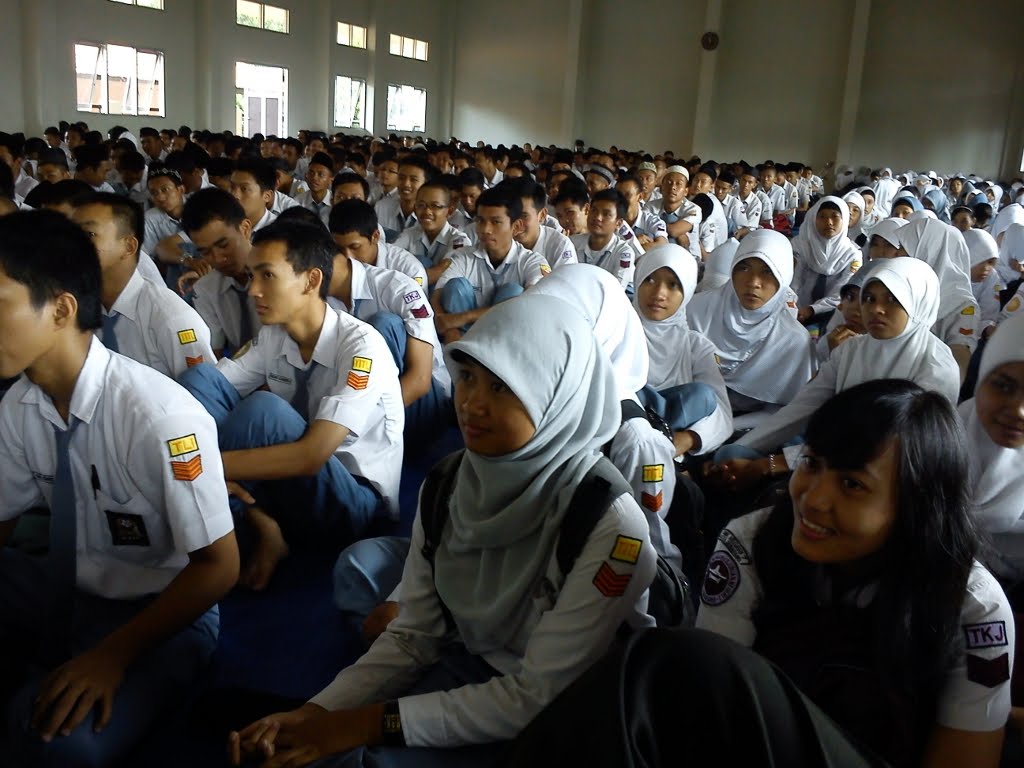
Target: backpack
(670, 600)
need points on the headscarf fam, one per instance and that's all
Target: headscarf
(1012, 247)
(825, 256)
(997, 197)
(670, 358)
(996, 476)
(980, 245)
(942, 247)
(718, 265)
(939, 204)
(924, 213)
(599, 297)
(909, 199)
(888, 230)
(506, 511)
(1011, 214)
(857, 199)
(763, 353)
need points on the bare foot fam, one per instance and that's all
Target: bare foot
(269, 550)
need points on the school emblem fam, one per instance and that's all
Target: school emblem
(187, 337)
(967, 311)
(721, 580)
(419, 281)
(191, 362)
(411, 296)
(854, 266)
(626, 549)
(625, 262)
(653, 473)
(421, 312)
(652, 502)
(179, 446)
(609, 583)
(358, 380)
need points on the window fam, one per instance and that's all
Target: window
(349, 102)
(261, 99)
(261, 16)
(118, 80)
(155, 4)
(351, 35)
(409, 47)
(407, 108)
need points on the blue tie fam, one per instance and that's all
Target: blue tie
(109, 338)
(63, 514)
(300, 400)
(245, 325)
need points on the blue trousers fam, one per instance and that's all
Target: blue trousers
(682, 406)
(458, 295)
(431, 414)
(366, 572)
(331, 508)
(734, 451)
(160, 684)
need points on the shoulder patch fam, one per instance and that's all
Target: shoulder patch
(1014, 304)
(790, 304)
(411, 296)
(990, 635)
(721, 580)
(732, 543)
(988, 672)
(187, 470)
(358, 380)
(626, 549)
(187, 337)
(653, 473)
(854, 266)
(718, 359)
(191, 362)
(421, 312)
(967, 311)
(609, 583)
(652, 502)
(419, 281)
(966, 332)
(363, 364)
(625, 262)
(545, 270)
(179, 446)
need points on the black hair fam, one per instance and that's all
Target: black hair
(300, 214)
(349, 177)
(727, 177)
(526, 188)
(65, 191)
(829, 206)
(439, 183)
(707, 170)
(415, 161)
(983, 213)
(487, 151)
(14, 144)
(158, 170)
(353, 216)
(703, 201)
(181, 161)
(572, 193)
(307, 247)
(923, 568)
(450, 181)
(471, 177)
(260, 170)
(212, 203)
(388, 154)
(628, 178)
(526, 172)
(50, 255)
(324, 159)
(220, 167)
(90, 155)
(867, 191)
(294, 144)
(501, 196)
(6, 181)
(612, 195)
(961, 209)
(126, 212)
(51, 130)
(149, 133)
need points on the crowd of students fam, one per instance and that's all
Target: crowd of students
(232, 346)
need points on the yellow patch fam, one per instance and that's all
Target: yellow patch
(241, 352)
(1014, 304)
(363, 364)
(854, 266)
(626, 550)
(187, 337)
(654, 473)
(419, 281)
(718, 360)
(179, 446)
(545, 270)
(967, 311)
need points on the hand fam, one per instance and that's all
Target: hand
(644, 240)
(839, 335)
(234, 489)
(737, 474)
(444, 323)
(260, 738)
(377, 621)
(805, 315)
(72, 690)
(683, 240)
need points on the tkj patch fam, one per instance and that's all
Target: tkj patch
(187, 337)
(721, 580)
(626, 549)
(609, 583)
(990, 635)
(412, 296)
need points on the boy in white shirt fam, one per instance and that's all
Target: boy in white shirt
(555, 247)
(253, 183)
(749, 206)
(572, 204)
(601, 246)
(775, 194)
(730, 205)
(681, 217)
(471, 186)
(647, 174)
(92, 166)
(52, 166)
(647, 227)
(165, 239)
(354, 227)
(398, 212)
(152, 146)
(431, 238)
(485, 159)
(317, 196)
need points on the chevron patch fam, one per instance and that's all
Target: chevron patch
(187, 470)
(609, 583)
(650, 502)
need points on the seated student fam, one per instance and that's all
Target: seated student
(855, 230)
(431, 238)
(904, 205)
(53, 166)
(985, 282)
(92, 166)
(647, 228)
(555, 247)
(875, 533)
(322, 451)
(131, 166)
(601, 246)
(871, 215)
(704, 179)
(535, 403)
(1011, 253)
(497, 269)
(598, 178)
(572, 206)
(681, 217)
(647, 174)
(748, 213)
(152, 146)
(846, 322)
(684, 384)
(485, 160)
(218, 171)
(962, 218)
(139, 568)
(287, 184)
(252, 184)
(713, 230)
(141, 318)
(724, 184)
(384, 179)
(398, 212)
(12, 154)
(764, 354)
(825, 258)
(317, 196)
(347, 185)
(471, 186)
(353, 225)
(165, 239)
(221, 233)
(187, 166)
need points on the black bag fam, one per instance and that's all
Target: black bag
(670, 602)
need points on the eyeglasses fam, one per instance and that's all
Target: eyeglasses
(421, 206)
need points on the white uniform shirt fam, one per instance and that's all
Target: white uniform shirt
(384, 290)
(24, 184)
(158, 328)
(321, 209)
(149, 270)
(390, 216)
(618, 257)
(355, 385)
(778, 197)
(495, 180)
(392, 257)
(747, 212)
(520, 266)
(158, 226)
(266, 220)
(149, 484)
(218, 304)
(557, 249)
(715, 230)
(732, 591)
(415, 241)
(647, 223)
(283, 202)
(686, 211)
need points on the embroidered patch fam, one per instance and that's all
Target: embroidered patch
(191, 362)
(411, 296)
(363, 364)
(279, 378)
(187, 470)
(624, 263)
(626, 549)
(357, 380)
(990, 635)
(1014, 304)
(187, 337)
(628, 236)
(653, 473)
(421, 312)
(854, 266)
(721, 580)
(735, 546)
(718, 359)
(966, 332)
(967, 311)
(545, 270)
(650, 502)
(609, 583)
(127, 530)
(419, 281)
(179, 446)
(988, 672)
(790, 304)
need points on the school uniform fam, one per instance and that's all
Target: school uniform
(415, 241)
(472, 281)
(390, 256)
(266, 220)
(495, 180)
(159, 225)
(747, 213)
(283, 202)
(226, 309)
(462, 221)
(982, 247)
(618, 257)
(155, 327)
(389, 214)
(647, 223)
(557, 249)
(321, 209)
(778, 198)
(24, 184)
(823, 265)
(149, 270)
(686, 211)
(553, 223)
(143, 488)
(715, 229)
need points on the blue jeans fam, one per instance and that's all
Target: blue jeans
(458, 295)
(160, 683)
(682, 406)
(330, 508)
(367, 572)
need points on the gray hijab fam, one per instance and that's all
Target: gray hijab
(506, 511)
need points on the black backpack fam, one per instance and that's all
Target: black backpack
(670, 600)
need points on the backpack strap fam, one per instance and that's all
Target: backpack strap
(434, 512)
(633, 410)
(591, 499)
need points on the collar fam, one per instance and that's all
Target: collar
(88, 389)
(513, 252)
(127, 302)
(229, 283)
(325, 351)
(359, 282)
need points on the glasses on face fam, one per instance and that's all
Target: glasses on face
(423, 206)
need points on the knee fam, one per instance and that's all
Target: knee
(367, 571)
(458, 296)
(506, 292)
(80, 748)
(200, 377)
(700, 396)
(386, 323)
(261, 419)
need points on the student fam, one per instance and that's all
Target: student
(152, 146)
(252, 184)
(193, 177)
(763, 352)
(471, 186)
(164, 237)
(131, 167)
(53, 166)
(572, 207)
(648, 229)
(385, 175)
(855, 229)
(1008, 230)
(92, 166)
(219, 171)
(354, 227)
(557, 249)
(713, 230)
(322, 451)
(776, 195)
(684, 384)
(647, 174)
(985, 282)
(141, 542)
(601, 246)
(398, 212)
(748, 214)
(962, 218)
(432, 236)
(497, 269)
(317, 196)
(846, 322)
(598, 178)
(485, 158)
(535, 403)
(904, 205)
(12, 153)
(681, 217)
(825, 258)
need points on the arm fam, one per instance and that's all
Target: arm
(419, 365)
(715, 429)
(952, 748)
(170, 250)
(303, 458)
(434, 272)
(962, 355)
(677, 228)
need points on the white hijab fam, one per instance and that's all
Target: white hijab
(599, 297)
(506, 511)
(825, 255)
(717, 266)
(980, 245)
(924, 213)
(764, 354)
(1012, 247)
(941, 247)
(1011, 214)
(996, 474)
(669, 353)
(857, 199)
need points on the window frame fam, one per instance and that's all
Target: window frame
(101, 78)
(362, 126)
(407, 47)
(393, 127)
(262, 20)
(140, 4)
(351, 28)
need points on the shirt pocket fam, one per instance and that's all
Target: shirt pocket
(130, 531)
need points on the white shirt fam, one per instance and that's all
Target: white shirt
(149, 270)
(747, 212)
(139, 514)
(618, 257)
(266, 220)
(218, 304)
(322, 209)
(283, 202)
(390, 216)
(779, 198)
(355, 385)
(495, 180)
(648, 223)
(556, 248)
(392, 257)
(686, 211)
(156, 327)
(24, 184)
(158, 226)
(415, 241)
(520, 266)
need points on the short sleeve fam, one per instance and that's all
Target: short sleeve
(353, 403)
(534, 269)
(205, 306)
(18, 487)
(248, 372)
(457, 268)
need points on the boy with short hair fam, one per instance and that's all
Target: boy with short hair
(571, 207)
(385, 175)
(131, 166)
(471, 186)
(317, 196)
(555, 247)
(774, 193)
(253, 183)
(681, 217)
(485, 159)
(398, 212)
(354, 227)
(164, 238)
(53, 166)
(431, 238)
(152, 146)
(597, 178)
(92, 166)
(647, 228)
(749, 207)
(601, 246)
(12, 152)
(121, 615)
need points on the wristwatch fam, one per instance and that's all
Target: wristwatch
(391, 727)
